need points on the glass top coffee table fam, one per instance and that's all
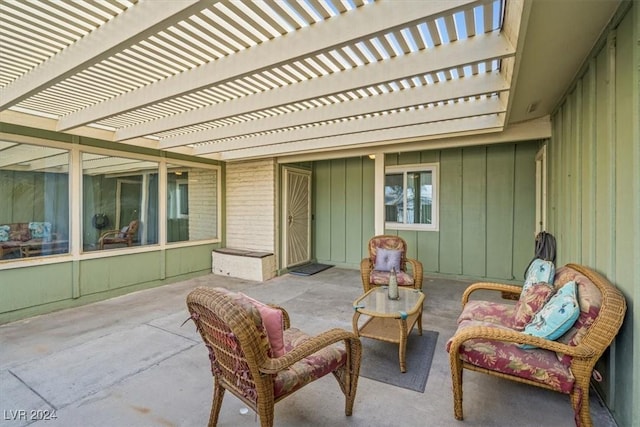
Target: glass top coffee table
(389, 320)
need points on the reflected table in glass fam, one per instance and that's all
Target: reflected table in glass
(389, 320)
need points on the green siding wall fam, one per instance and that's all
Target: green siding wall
(28, 291)
(487, 211)
(595, 194)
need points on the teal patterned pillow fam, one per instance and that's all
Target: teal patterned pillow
(557, 316)
(539, 271)
(40, 230)
(4, 233)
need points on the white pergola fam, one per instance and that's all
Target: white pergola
(233, 80)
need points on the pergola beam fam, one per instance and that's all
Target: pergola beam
(373, 138)
(123, 31)
(478, 49)
(321, 37)
(462, 88)
(382, 121)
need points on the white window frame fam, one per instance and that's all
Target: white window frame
(435, 199)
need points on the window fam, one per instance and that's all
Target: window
(192, 203)
(34, 201)
(120, 202)
(411, 197)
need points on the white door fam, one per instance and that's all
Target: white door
(296, 216)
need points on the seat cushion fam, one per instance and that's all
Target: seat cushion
(310, 368)
(537, 365)
(488, 311)
(381, 278)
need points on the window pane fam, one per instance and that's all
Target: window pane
(34, 207)
(393, 198)
(419, 192)
(120, 202)
(192, 204)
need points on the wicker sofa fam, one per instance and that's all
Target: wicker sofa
(486, 340)
(25, 238)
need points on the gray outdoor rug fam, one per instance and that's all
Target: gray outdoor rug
(380, 360)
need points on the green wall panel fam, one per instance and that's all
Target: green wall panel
(460, 247)
(595, 193)
(186, 260)
(474, 211)
(322, 210)
(451, 212)
(338, 210)
(353, 213)
(500, 184)
(34, 286)
(102, 274)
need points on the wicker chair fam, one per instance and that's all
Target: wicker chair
(485, 343)
(240, 354)
(125, 236)
(372, 278)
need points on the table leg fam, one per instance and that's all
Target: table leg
(356, 316)
(402, 350)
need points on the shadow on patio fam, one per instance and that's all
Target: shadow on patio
(128, 362)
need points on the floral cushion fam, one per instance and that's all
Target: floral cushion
(308, 369)
(531, 300)
(388, 259)
(539, 271)
(381, 278)
(557, 316)
(508, 358)
(489, 311)
(4, 233)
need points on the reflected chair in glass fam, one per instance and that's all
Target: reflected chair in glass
(126, 235)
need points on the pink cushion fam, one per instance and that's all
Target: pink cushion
(532, 299)
(273, 323)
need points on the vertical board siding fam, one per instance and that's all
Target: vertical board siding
(451, 212)
(338, 210)
(474, 212)
(594, 202)
(487, 210)
(353, 199)
(251, 205)
(322, 210)
(500, 180)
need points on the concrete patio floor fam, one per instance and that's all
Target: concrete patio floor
(128, 362)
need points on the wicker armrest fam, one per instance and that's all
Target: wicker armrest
(310, 346)
(416, 269)
(488, 286)
(501, 334)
